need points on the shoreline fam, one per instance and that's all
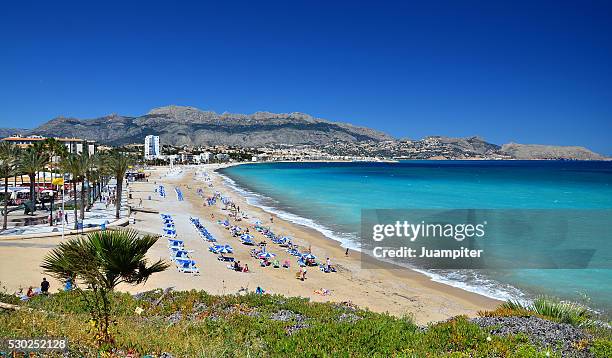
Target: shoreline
(251, 198)
(323, 233)
(384, 289)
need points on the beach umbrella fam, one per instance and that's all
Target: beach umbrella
(229, 248)
(309, 256)
(246, 236)
(180, 254)
(216, 248)
(266, 255)
(224, 250)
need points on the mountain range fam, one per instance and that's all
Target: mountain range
(179, 125)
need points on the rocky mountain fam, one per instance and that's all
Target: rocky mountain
(537, 151)
(7, 132)
(177, 125)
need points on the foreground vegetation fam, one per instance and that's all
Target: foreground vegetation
(193, 324)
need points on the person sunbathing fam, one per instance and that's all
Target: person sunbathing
(30, 292)
(322, 292)
(246, 268)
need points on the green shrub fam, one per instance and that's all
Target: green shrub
(601, 348)
(550, 308)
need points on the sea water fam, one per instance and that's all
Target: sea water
(329, 197)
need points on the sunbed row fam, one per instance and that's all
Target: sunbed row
(178, 253)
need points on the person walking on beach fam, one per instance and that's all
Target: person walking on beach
(346, 253)
(44, 286)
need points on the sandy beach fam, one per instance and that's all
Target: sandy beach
(388, 289)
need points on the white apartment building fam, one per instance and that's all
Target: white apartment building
(152, 149)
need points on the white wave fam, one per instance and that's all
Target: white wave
(346, 240)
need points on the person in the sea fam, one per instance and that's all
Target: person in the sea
(44, 286)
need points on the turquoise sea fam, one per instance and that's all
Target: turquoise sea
(329, 197)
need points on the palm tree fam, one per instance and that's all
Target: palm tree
(119, 163)
(85, 164)
(9, 155)
(31, 161)
(72, 164)
(94, 176)
(102, 260)
(56, 150)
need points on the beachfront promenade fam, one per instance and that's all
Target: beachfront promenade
(99, 214)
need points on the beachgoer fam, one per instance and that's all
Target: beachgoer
(303, 274)
(259, 291)
(66, 218)
(246, 268)
(30, 292)
(346, 253)
(328, 265)
(44, 286)
(68, 285)
(236, 266)
(271, 219)
(140, 202)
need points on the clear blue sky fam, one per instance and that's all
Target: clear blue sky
(524, 71)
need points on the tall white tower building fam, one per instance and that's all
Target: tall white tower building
(151, 147)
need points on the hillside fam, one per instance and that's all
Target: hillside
(537, 151)
(178, 125)
(196, 324)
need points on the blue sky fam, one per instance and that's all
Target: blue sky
(523, 71)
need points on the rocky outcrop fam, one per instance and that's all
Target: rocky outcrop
(537, 151)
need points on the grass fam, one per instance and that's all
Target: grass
(548, 308)
(196, 324)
